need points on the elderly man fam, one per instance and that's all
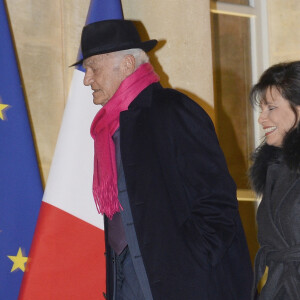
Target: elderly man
(172, 225)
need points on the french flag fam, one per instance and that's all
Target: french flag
(67, 259)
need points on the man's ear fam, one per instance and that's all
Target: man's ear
(128, 65)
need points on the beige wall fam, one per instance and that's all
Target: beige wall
(184, 35)
(284, 33)
(47, 35)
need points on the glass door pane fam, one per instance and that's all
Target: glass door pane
(232, 83)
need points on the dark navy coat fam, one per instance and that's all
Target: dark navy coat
(183, 200)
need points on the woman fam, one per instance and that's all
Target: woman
(275, 175)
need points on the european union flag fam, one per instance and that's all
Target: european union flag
(20, 183)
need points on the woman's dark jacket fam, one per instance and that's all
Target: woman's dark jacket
(183, 200)
(275, 175)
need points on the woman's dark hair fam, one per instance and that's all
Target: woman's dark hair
(286, 78)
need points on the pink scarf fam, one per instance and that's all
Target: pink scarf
(104, 125)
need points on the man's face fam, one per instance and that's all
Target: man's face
(104, 75)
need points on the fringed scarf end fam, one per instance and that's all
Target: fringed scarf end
(106, 200)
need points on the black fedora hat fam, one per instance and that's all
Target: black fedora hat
(110, 36)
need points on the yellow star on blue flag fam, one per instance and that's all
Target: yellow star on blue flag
(18, 261)
(2, 108)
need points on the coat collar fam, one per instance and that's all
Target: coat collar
(144, 99)
(265, 155)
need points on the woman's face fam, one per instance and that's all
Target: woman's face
(276, 117)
